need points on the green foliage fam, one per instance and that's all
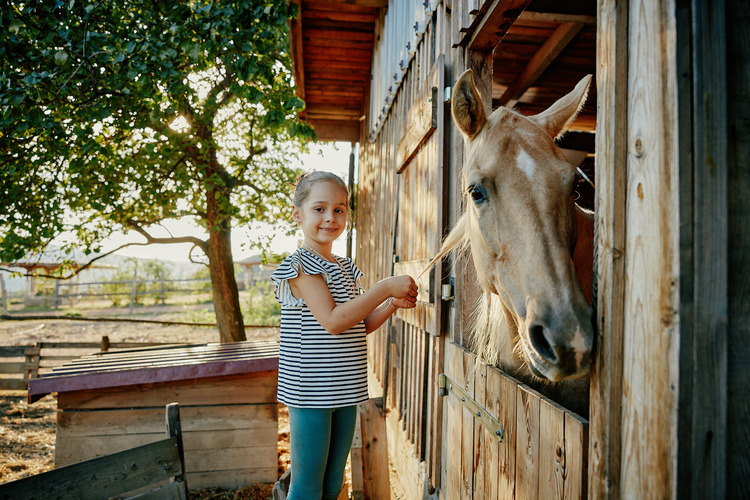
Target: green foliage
(262, 306)
(120, 115)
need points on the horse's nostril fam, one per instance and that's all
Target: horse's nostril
(540, 342)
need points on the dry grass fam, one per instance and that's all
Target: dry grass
(27, 436)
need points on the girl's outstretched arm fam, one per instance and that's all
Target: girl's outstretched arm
(338, 318)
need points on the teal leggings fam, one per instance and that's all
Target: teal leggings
(320, 439)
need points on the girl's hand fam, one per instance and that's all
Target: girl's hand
(402, 286)
(404, 303)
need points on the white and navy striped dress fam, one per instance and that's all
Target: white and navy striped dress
(318, 369)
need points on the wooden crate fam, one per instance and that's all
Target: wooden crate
(227, 394)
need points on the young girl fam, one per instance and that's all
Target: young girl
(323, 352)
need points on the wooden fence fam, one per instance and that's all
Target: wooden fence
(133, 288)
(21, 363)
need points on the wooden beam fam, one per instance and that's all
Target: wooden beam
(546, 54)
(605, 422)
(362, 3)
(344, 17)
(550, 17)
(336, 130)
(495, 23)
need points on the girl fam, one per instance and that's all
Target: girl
(323, 352)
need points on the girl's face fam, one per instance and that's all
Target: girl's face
(322, 216)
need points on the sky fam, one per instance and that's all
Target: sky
(331, 157)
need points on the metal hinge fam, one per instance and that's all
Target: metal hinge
(490, 423)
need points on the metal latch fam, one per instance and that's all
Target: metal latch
(490, 423)
(447, 291)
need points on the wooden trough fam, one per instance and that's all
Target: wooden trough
(109, 402)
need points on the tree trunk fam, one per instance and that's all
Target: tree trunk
(225, 294)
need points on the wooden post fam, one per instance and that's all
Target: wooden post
(174, 429)
(3, 295)
(105, 343)
(162, 288)
(355, 460)
(376, 482)
(609, 258)
(133, 292)
(57, 292)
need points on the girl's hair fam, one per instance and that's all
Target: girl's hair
(305, 182)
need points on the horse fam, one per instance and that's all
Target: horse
(531, 244)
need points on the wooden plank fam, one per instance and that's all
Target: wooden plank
(232, 479)
(527, 443)
(13, 384)
(609, 256)
(169, 491)
(374, 451)
(551, 450)
(545, 56)
(421, 124)
(485, 446)
(466, 381)
(103, 477)
(251, 388)
(651, 329)
(738, 123)
(703, 373)
(13, 351)
(453, 411)
(576, 455)
(502, 405)
(434, 425)
(145, 420)
(85, 447)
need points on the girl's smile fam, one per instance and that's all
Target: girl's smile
(322, 216)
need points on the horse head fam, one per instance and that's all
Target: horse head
(520, 224)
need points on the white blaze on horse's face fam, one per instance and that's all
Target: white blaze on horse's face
(521, 226)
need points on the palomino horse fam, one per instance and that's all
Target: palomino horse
(525, 232)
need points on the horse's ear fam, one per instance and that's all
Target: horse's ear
(467, 106)
(558, 116)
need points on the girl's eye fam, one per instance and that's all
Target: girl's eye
(478, 193)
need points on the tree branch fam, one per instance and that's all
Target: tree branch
(166, 241)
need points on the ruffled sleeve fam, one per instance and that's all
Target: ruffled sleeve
(355, 272)
(290, 269)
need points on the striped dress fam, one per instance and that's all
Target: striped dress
(318, 369)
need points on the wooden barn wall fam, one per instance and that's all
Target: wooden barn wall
(399, 226)
(669, 411)
(409, 194)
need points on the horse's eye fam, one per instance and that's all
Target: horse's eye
(478, 193)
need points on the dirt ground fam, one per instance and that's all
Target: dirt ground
(27, 431)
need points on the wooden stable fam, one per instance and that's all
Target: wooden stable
(664, 137)
(109, 402)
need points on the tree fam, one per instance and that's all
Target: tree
(119, 115)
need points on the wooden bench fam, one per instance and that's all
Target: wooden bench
(153, 471)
